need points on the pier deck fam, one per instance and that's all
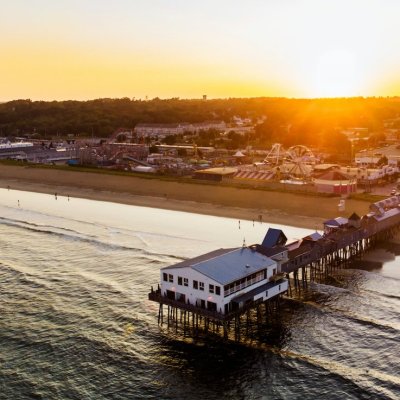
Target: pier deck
(312, 258)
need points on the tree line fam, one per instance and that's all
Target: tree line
(288, 121)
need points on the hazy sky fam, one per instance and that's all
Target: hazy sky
(84, 49)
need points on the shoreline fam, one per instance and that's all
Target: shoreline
(244, 204)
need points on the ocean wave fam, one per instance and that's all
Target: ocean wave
(340, 312)
(36, 225)
(90, 239)
(373, 274)
(24, 275)
(372, 383)
(125, 231)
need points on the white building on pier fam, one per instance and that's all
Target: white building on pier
(225, 280)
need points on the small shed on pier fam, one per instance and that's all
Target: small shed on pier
(274, 237)
(355, 220)
(332, 225)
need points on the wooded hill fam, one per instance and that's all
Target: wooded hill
(290, 121)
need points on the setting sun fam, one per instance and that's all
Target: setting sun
(336, 75)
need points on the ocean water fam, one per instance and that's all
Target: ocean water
(75, 322)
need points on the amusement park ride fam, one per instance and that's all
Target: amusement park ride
(294, 162)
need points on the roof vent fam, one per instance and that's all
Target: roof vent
(247, 266)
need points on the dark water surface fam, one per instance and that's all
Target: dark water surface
(75, 322)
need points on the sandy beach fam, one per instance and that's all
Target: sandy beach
(274, 207)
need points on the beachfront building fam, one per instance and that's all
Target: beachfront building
(225, 280)
(335, 182)
(217, 174)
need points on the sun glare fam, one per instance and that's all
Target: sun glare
(335, 74)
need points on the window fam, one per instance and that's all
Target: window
(201, 285)
(211, 288)
(179, 280)
(170, 295)
(170, 278)
(185, 282)
(195, 285)
(217, 290)
(180, 297)
(165, 277)
(211, 306)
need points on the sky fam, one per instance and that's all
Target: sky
(86, 49)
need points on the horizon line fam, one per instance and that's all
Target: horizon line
(201, 99)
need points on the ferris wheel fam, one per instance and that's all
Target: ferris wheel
(299, 153)
(299, 157)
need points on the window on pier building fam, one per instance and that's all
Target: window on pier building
(245, 282)
(195, 284)
(211, 288)
(217, 290)
(185, 282)
(170, 278)
(179, 280)
(165, 277)
(211, 306)
(201, 285)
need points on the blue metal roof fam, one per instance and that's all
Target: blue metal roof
(234, 265)
(390, 213)
(195, 260)
(341, 220)
(274, 237)
(314, 236)
(331, 222)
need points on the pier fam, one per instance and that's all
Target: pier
(226, 290)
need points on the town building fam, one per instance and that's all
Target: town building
(217, 174)
(163, 130)
(335, 182)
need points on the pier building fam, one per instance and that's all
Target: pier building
(223, 280)
(221, 286)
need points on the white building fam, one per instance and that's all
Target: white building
(225, 280)
(363, 174)
(162, 130)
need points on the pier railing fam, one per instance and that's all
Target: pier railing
(242, 286)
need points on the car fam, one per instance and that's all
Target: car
(393, 192)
